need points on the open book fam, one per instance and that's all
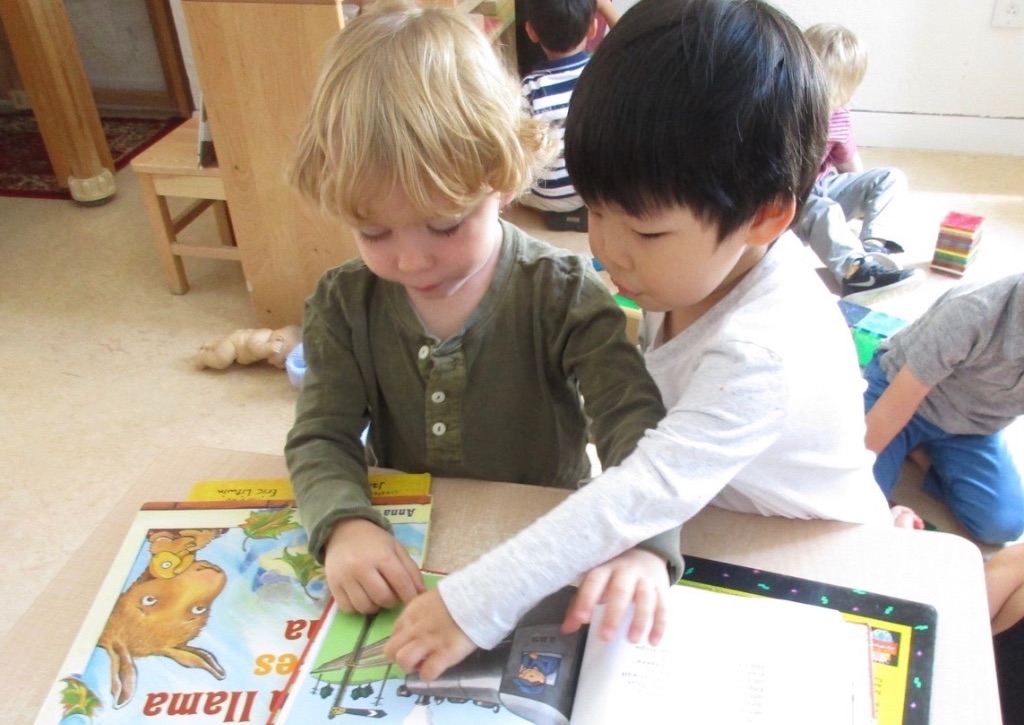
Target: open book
(725, 659)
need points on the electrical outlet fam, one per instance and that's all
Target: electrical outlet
(1008, 14)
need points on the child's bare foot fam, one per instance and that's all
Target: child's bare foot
(904, 517)
(921, 458)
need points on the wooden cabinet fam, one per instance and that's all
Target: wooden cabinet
(257, 63)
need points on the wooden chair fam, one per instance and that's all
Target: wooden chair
(170, 167)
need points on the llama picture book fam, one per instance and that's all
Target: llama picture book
(203, 615)
(725, 658)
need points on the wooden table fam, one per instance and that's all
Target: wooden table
(43, 45)
(471, 516)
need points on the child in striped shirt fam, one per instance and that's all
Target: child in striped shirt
(562, 28)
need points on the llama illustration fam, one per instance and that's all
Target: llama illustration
(163, 610)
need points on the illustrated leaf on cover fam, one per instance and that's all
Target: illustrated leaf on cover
(306, 568)
(77, 699)
(268, 524)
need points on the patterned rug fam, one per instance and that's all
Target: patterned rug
(25, 168)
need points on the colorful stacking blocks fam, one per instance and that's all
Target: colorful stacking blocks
(959, 237)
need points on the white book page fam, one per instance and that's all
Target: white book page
(723, 659)
(862, 673)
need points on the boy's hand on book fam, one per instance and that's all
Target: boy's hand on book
(367, 569)
(636, 577)
(426, 640)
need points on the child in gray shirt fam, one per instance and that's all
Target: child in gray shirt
(941, 390)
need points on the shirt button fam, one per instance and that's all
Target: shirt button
(424, 352)
(439, 429)
(437, 397)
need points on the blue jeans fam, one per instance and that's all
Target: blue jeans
(973, 475)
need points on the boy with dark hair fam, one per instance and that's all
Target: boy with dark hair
(562, 28)
(559, 25)
(694, 136)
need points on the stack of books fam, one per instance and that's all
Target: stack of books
(214, 611)
(959, 238)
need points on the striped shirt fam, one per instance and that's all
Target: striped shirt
(546, 94)
(841, 145)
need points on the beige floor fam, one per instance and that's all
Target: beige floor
(96, 355)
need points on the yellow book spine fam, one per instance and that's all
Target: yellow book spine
(280, 489)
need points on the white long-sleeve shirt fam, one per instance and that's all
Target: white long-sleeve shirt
(765, 415)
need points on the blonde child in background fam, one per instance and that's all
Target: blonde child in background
(845, 190)
(462, 343)
(694, 135)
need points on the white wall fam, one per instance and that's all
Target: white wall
(939, 77)
(115, 42)
(185, 43)
(118, 51)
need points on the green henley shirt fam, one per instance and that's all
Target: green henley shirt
(499, 401)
